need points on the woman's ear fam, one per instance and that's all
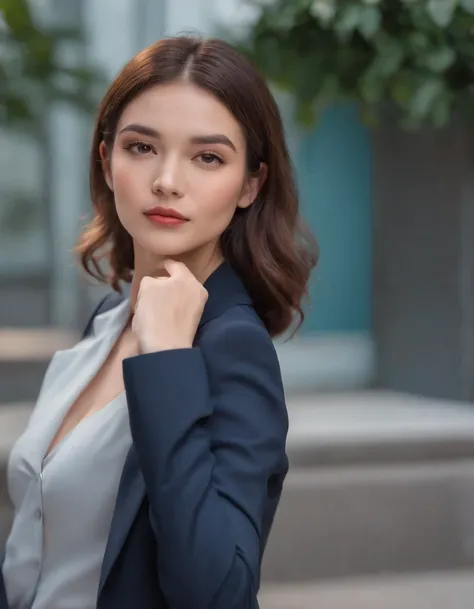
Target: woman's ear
(254, 184)
(105, 160)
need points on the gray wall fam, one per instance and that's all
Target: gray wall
(423, 268)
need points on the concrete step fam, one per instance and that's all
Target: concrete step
(377, 427)
(443, 590)
(340, 522)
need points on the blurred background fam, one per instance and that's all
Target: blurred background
(377, 98)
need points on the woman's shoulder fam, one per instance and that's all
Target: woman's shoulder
(241, 359)
(232, 321)
(238, 333)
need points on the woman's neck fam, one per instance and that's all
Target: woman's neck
(151, 266)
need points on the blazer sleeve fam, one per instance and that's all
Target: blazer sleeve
(209, 426)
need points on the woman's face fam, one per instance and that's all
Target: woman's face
(178, 151)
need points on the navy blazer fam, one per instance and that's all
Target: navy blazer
(203, 478)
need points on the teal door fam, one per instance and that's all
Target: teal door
(333, 164)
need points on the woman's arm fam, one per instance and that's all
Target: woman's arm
(209, 426)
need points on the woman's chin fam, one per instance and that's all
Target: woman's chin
(165, 248)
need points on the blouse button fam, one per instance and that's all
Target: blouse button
(38, 514)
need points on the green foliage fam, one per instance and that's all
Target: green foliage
(33, 70)
(416, 56)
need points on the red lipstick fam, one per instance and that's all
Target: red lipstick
(166, 216)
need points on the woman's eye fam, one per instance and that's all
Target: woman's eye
(139, 147)
(209, 158)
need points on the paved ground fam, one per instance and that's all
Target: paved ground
(428, 591)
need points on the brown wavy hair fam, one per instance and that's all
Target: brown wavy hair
(266, 243)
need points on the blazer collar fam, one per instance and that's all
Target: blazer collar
(226, 290)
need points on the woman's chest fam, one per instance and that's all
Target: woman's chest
(80, 413)
(102, 389)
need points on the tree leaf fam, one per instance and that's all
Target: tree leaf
(401, 91)
(348, 21)
(441, 112)
(441, 11)
(467, 5)
(323, 10)
(418, 42)
(390, 56)
(425, 96)
(369, 21)
(440, 60)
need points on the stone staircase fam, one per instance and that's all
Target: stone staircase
(380, 483)
(378, 510)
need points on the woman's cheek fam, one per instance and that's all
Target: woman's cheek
(124, 180)
(222, 195)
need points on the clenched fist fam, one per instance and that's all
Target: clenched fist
(168, 309)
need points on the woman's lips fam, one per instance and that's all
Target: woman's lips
(166, 216)
(165, 220)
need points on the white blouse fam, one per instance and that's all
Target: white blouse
(64, 501)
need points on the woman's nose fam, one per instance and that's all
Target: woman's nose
(167, 183)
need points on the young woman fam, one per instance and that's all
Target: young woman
(150, 471)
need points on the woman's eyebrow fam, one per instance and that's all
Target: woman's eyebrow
(215, 138)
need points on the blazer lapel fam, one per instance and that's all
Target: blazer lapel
(129, 499)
